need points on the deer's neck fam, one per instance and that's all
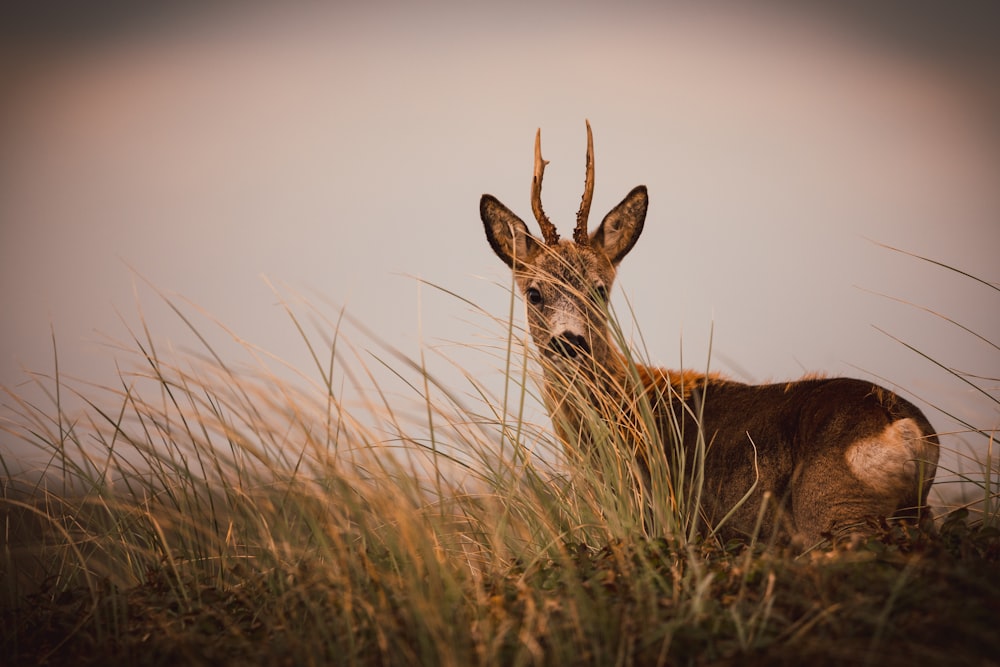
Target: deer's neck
(611, 395)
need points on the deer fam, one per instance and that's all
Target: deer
(812, 461)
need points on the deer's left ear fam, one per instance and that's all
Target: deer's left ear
(621, 227)
(508, 235)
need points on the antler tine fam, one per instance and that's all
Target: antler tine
(580, 233)
(549, 231)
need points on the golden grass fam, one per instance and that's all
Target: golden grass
(201, 513)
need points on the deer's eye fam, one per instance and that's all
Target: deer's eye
(601, 292)
(534, 296)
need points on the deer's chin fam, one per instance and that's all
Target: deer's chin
(581, 365)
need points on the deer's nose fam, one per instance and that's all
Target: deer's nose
(569, 345)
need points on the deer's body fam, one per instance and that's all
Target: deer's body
(834, 454)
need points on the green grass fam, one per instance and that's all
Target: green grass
(203, 513)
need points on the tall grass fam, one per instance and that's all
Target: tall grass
(202, 512)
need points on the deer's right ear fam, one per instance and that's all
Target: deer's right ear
(621, 227)
(508, 235)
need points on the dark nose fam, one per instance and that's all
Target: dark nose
(569, 345)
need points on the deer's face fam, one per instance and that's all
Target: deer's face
(565, 284)
(565, 289)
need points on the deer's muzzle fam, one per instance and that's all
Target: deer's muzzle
(569, 345)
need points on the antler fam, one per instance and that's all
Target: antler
(549, 231)
(580, 233)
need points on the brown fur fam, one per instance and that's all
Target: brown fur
(835, 455)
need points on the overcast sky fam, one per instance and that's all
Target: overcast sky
(341, 151)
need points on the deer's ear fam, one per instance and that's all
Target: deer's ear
(508, 235)
(621, 227)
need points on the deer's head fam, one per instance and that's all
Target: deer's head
(566, 283)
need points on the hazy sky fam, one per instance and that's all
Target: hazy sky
(342, 150)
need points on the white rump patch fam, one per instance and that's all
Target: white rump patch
(888, 462)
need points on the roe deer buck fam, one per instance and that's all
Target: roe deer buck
(835, 454)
